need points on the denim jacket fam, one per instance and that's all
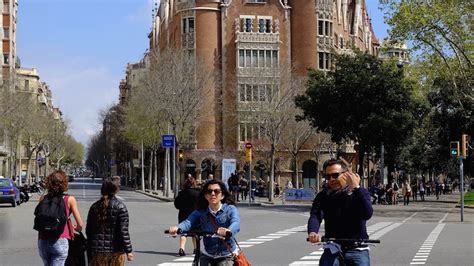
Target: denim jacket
(227, 217)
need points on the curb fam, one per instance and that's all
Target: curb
(155, 196)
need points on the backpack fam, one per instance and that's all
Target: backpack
(50, 216)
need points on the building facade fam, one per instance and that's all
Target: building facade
(9, 17)
(250, 43)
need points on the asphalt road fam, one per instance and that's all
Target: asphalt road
(428, 233)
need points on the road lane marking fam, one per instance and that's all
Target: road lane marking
(445, 216)
(314, 257)
(424, 252)
(411, 216)
(245, 244)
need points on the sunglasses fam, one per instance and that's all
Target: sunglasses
(333, 175)
(216, 191)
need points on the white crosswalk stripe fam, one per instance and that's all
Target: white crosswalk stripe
(187, 261)
(424, 252)
(376, 230)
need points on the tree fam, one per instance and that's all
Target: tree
(96, 152)
(361, 99)
(176, 87)
(170, 97)
(296, 133)
(268, 116)
(440, 33)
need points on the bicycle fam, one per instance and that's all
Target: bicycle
(345, 241)
(199, 234)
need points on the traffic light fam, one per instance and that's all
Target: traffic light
(464, 145)
(454, 149)
(248, 152)
(180, 155)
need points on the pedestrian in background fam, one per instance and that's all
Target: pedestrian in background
(107, 229)
(395, 189)
(54, 250)
(186, 203)
(414, 190)
(422, 190)
(345, 208)
(243, 187)
(406, 192)
(253, 188)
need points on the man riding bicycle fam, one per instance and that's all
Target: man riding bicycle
(216, 212)
(345, 207)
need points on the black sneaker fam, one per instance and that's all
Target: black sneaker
(181, 252)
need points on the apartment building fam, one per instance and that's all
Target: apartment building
(9, 17)
(249, 43)
(8, 29)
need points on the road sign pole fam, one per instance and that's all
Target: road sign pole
(174, 171)
(461, 189)
(248, 159)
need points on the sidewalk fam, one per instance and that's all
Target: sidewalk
(453, 198)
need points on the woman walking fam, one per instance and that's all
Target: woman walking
(216, 212)
(53, 250)
(109, 241)
(406, 192)
(186, 203)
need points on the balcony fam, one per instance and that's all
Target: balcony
(250, 30)
(258, 71)
(325, 42)
(257, 37)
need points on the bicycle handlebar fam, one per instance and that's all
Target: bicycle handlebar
(348, 240)
(228, 234)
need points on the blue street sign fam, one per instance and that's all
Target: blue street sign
(167, 141)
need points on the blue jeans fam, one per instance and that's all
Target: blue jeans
(352, 257)
(53, 251)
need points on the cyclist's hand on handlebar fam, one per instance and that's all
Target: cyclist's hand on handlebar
(173, 230)
(221, 231)
(314, 237)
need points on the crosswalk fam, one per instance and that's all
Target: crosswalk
(375, 231)
(187, 260)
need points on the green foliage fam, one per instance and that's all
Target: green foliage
(363, 99)
(441, 39)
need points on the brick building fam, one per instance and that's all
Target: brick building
(248, 42)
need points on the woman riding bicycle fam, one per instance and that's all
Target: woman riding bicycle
(216, 212)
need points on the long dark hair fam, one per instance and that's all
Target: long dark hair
(108, 190)
(203, 203)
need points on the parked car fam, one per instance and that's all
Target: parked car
(9, 193)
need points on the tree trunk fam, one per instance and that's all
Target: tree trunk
(272, 173)
(296, 171)
(46, 166)
(155, 171)
(150, 171)
(28, 167)
(143, 168)
(19, 160)
(361, 161)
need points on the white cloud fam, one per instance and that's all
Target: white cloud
(81, 91)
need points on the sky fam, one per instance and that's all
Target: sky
(81, 49)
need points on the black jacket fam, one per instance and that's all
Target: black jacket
(345, 216)
(186, 202)
(114, 237)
